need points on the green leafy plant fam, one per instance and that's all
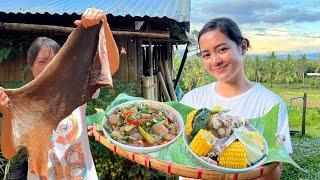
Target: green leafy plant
(5, 165)
(108, 95)
(111, 166)
(4, 53)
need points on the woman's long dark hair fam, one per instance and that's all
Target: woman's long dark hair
(226, 27)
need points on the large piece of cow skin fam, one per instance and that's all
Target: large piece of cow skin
(69, 81)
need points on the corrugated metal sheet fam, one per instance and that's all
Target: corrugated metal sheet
(178, 10)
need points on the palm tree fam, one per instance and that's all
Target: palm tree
(257, 69)
(302, 67)
(287, 71)
(247, 65)
(271, 70)
(194, 74)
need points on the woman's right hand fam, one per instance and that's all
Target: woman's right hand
(4, 99)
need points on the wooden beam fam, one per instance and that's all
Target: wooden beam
(67, 30)
(173, 41)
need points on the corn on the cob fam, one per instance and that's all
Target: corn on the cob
(234, 156)
(188, 127)
(201, 143)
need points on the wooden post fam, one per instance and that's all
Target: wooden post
(155, 87)
(148, 87)
(139, 74)
(150, 58)
(304, 110)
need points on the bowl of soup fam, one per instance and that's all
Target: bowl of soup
(142, 126)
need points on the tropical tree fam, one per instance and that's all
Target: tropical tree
(287, 71)
(258, 69)
(317, 69)
(194, 74)
(317, 62)
(302, 68)
(271, 70)
(247, 65)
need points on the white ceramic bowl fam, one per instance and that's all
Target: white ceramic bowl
(224, 169)
(134, 149)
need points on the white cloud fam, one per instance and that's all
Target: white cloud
(270, 25)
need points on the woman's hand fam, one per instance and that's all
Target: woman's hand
(90, 17)
(4, 99)
(91, 129)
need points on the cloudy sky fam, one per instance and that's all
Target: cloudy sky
(270, 25)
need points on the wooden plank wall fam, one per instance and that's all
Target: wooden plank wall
(12, 70)
(128, 71)
(131, 65)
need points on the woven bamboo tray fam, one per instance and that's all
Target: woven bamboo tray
(176, 169)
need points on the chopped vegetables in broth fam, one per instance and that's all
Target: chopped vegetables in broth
(142, 125)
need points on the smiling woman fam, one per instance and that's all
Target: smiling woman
(223, 48)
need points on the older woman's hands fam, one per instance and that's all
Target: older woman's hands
(90, 17)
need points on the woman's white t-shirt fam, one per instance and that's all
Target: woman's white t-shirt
(255, 102)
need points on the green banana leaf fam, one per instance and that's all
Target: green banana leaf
(177, 151)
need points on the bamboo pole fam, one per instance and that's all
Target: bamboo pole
(169, 80)
(67, 30)
(163, 86)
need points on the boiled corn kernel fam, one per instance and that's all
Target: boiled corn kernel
(234, 156)
(201, 143)
(188, 127)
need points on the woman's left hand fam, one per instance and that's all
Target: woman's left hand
(90, 17)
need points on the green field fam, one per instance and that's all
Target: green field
(306, 148)
(295, 107)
